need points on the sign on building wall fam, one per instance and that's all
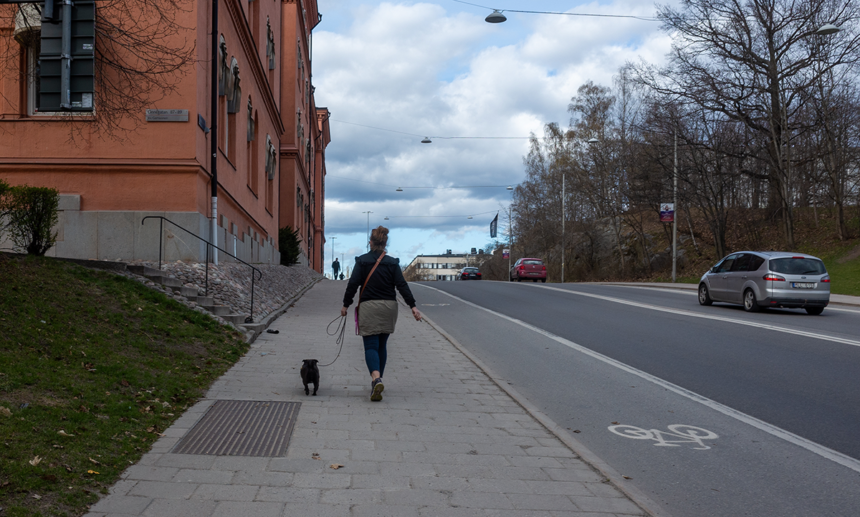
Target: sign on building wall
(167, 115)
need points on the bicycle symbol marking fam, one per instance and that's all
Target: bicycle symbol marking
(679, 433)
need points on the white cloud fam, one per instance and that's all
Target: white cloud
(438, 70)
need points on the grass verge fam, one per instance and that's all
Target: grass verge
(92, 367)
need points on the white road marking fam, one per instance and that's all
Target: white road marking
(678, 433)
(757, 324)
(820, 450)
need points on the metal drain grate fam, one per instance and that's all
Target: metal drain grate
(242, 428)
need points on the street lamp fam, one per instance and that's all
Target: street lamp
(368, 228)
(332, 252)
(495, 17)
(827, 30)
(426, 140)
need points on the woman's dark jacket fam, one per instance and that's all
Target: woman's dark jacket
(381, 285)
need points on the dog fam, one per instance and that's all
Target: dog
(310, 375)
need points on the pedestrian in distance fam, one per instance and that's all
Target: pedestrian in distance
(335, 267)
(377, 274)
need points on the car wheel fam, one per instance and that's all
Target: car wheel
(750, 303)
(543, 280)
(704, 295)
(519, 279)
(814, 311)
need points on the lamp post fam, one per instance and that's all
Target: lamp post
(368, 228)
(675, 208)
(332, 254)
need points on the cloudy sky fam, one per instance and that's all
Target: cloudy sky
(436, 68)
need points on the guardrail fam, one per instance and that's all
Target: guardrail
(254, 272)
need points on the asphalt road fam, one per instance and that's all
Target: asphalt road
(775, 395)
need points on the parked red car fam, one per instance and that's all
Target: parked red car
(528, 269)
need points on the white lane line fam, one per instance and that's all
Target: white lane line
(683, 312)
(820, 450)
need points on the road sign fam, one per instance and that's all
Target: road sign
(506, 254)
(667, 212)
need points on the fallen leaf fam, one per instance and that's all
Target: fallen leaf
(58, 446)
(35, 461)
(577, 431)
(335, 466)
(68, 468)
(315, 456)
(124, 382)
(92, 472)
(64, 433)
(37, 496)
(627, 477)
(94, 462)
(614, 423)
(5, 411)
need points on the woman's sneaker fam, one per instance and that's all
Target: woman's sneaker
(376, 387)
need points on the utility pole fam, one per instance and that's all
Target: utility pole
(562, 227)
(332, 257)
(510, 240)
(675, 207)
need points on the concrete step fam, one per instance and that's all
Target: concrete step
(187, 292)
(218, 310)
(235, 319)
(166, 281)
(255, 327)
(145, 271)
(203, 301)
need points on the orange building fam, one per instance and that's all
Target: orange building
(125, 161)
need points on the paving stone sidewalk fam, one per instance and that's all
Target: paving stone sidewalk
(445, 440)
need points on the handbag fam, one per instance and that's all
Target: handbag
(362, 290)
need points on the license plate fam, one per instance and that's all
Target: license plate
(803, 285)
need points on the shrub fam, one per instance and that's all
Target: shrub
(32, 215)
(288, 245)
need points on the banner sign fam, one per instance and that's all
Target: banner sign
(506, 254)
(667, 212)
(493, 225)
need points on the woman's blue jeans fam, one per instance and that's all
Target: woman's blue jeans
(376, 352)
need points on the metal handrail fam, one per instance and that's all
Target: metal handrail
(250, 318)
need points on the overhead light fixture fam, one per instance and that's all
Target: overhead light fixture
(495, 17)
(827, 30)
(510, 187)
(426, 140)
(399, 189)
(386, 218)
(593, 141)
(469, 217)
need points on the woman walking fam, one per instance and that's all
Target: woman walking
(377, 275)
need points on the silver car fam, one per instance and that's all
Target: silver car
(762, 279)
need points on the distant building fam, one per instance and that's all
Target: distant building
(435, 267)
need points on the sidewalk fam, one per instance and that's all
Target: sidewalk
(835, 299)
(446, 440)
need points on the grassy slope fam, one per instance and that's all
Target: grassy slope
(746, 232)
(102, 358)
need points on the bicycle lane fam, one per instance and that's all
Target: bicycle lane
(658, 436)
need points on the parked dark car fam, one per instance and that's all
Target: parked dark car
(469, 273)
(759, 280)
(528, 269)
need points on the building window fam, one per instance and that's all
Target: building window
(234, 94)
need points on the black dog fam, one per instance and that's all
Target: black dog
(310, 375)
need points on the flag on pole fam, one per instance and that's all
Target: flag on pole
(493, 225)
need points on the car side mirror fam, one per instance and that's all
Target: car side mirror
(715, 268)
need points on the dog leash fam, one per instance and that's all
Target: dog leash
(339, 331)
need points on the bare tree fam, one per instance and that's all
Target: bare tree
(752, 61)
